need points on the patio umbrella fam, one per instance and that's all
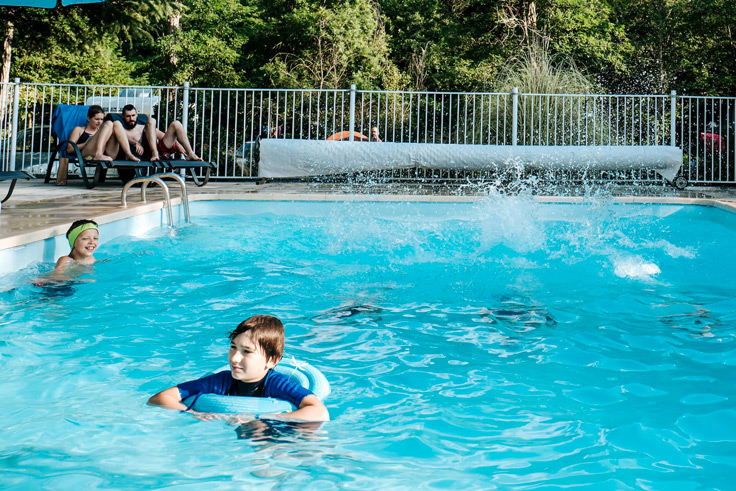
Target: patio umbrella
(46, 4)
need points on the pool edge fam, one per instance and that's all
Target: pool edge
(26, 238)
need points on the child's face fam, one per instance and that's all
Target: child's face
(86, 244)
(247, 361)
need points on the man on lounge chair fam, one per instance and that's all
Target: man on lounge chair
(146, 140)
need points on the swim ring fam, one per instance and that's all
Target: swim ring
(302, 373)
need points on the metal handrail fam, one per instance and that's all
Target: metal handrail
(184, 194)
(145, 180)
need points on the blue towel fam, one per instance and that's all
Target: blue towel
(66, 118)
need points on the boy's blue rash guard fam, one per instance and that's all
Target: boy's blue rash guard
(276, 385)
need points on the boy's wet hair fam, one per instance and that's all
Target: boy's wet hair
(128, 108)
(267, 334)
(78, 223)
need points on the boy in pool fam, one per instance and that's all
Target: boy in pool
(83, 238)
(256, 346)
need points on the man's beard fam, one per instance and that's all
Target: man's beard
(131, 124)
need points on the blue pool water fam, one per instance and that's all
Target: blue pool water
(504, 344)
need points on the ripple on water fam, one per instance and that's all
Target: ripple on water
(716, 426)
(505, 344)
(702, 399)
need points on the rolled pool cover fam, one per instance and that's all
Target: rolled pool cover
(302, 158)
(302, 373)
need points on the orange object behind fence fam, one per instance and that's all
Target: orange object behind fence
(342, 136)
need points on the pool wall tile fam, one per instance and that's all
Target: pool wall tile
(52, 248)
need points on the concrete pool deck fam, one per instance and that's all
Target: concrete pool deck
(37, 211)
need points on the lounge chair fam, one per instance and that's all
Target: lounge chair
(191, 166)
(12, 176)
(66, 118)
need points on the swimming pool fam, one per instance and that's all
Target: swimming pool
(498, 344)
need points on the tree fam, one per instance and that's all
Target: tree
(446, 45)
(639, 46)
(67, 49)
(465, 44)
(679, 44)
(331, 47)
(702, 56)
(207, 48)
(82, 43)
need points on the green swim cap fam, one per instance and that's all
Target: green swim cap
(74, 233)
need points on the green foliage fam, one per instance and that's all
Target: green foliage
(132, 21)
(68, 48)
(206, 50)
(586, 31)
(477, 76)
(684, 45)
(640, 46)
(332, 47)
(537, 72)
(99, 63)
(446, 45)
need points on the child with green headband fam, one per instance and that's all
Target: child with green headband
(83, 238)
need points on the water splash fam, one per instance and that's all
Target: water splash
(635, 268)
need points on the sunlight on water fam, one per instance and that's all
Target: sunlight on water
(499, 344)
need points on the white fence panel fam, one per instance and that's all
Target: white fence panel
(224, 125)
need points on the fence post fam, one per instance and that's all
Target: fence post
(515, 117)
(14, 130)
(673, 116)
(352, 112)
(185, 106)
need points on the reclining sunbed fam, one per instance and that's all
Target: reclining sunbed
(12, 176)
(67, 117)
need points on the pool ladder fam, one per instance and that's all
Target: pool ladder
(159, 179)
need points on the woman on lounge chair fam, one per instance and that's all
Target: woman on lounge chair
(94, 139)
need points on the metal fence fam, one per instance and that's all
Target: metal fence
(224, 124)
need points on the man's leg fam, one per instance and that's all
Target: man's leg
(175, 133)
(121, 136)
(96, 144)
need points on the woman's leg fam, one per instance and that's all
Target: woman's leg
(112, 148)
(96, 144)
